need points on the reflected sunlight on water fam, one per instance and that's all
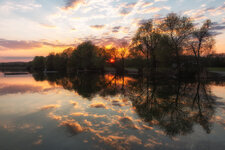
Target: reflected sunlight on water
(109, 112)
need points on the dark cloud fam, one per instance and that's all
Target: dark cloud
(14, 44)
(218, 27)
(214, 33)
(126, 9)
(210, 9)
(97, 26)
(102, 41)
(70, 4)
(57, 45)
(116, 29)
(15, 89)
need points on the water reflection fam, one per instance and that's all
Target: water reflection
(108, 111)
(175, 106)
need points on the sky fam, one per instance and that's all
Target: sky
(31, 28)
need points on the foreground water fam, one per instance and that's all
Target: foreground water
(92, 111)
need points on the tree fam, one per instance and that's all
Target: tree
(87, 56)
(68, 52)
(123, 53)
(202, 42)
(146, 41)
(113, 53)
(38, 63)
(50, 62)
(178, 30)
(60, 62)
(164, 53)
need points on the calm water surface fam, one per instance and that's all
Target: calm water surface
(90, 111)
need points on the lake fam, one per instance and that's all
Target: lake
(92, 111)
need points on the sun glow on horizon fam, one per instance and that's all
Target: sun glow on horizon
(109, 46)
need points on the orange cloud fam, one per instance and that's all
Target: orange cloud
(38, 142)
(127, 122)
(72, 126)
(98, 105)
(55, 117)
(74, 103)
(51, 106)
(88, 123)
(79, 114)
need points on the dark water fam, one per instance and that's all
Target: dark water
(90, 111)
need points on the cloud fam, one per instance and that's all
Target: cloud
(146, 4)
(38, 141)
(13, 44)
(74, 103)
(47, 25)
(152, 143)
(24, 126)
(72, 126)
(125, 9)
(203, 13)
(51, 106)
(218, 27)
(19, 6)
(88, 123)
(55, 117)
(98, 105)
(147, 127)
(79, 114)
(107, 40)
(22, 44)
(73, 4)
(154, 9)
(133, 139)
(9, 89)
(117, 103)
(127, 122)
(160, 0)
(97, 26)
(116, 29)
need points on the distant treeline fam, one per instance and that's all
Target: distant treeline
(85, 56)
(215, 60)
(12, 66)
(172, 44)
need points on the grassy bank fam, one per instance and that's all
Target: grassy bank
(216, 69)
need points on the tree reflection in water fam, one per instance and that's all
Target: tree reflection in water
(175, 106)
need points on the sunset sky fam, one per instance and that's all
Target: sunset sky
(37, 27)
